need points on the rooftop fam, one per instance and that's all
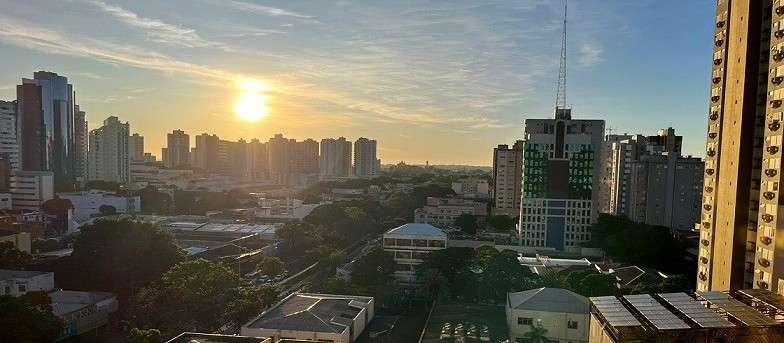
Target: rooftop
(548, 299)
(312, 312)
(415, 229)
(194, 337)
(6, 274)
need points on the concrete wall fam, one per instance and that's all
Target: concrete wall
(554, 322)
(22, 241)
(299, 335)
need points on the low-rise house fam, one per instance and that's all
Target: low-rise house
(442, 212)
(17, 282)
(88, 203)
(410, 244)
(313, 318)
(563, 313)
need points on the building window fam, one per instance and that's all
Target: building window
(525, 321)
(571, 324)
(22, 288)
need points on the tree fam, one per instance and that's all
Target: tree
(538, 334)
(454, 263)
(13, 258)
(147, 336)
(249, 302)
(502, 222)
(120, 254)
(107, 210)
(154, 201)
(551, 278)
(596, 285)
(26, 323)
(374, 268)
(433, 285)
(503, 274)
(110, 186)
(483, 254)
(271, 266)
(467, 223)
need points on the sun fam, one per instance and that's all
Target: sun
(252, 104)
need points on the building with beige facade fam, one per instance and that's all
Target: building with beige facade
(442, 212)
(508, 178)
(562, 312)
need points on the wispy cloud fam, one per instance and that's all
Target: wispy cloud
(259, 9)
(158, 30)
(589, 55)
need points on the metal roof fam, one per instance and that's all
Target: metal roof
(695, 310)
(736, 309)
(416, 229)
(654, 312)
(614, 312)
(548, 300)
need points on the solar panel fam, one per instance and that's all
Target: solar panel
(738, 310)
(695, 311)
(614, 312)
(771, 299)
(654, 312)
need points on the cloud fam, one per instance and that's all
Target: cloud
(589, 55)
(157, 30)
(259, 9)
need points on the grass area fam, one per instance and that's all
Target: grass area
(479, 316)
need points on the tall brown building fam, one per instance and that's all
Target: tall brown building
(740, 226)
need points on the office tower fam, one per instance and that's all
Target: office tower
(508, 178)
(257, 159)
(366, 164)
(741, 225)
(206, 154)
(108, 152)
(237, 153)
(46, 126)
(606, 162)
(136, 148)
(80, 145)
(335, 157)
(560, 175)
(309, 156)
(279, 158)
(619, 151)
(9, 143)
(178, 149)
(30, 189)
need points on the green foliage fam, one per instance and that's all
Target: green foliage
(147, 336)
(538, 334)
(467, 223)
(248, 303)
(24, 322)
(110, 186)
(154, 201)
(13, 258)
(59, 208)
(671, 284)
(433, 285)
(40, 299)
(595, 285)
(199, 202)
(502, 222)
(271, 266)
(374, 268)
(119, 254)
(107, 210)
(503, 274)
(45, 245)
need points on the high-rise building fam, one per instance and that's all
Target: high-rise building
(46, 126)
(366, 165)
(205, 154)
(136, 148)
(607, 160)
(257, 159)
(335, 157)
(560, 175)
(279, 158)
(178, 149)
(310, 156)
(80, 145)
(9, 143)
(108, 152)
(508, 178)
(741, 224)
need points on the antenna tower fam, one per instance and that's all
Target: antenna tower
(560, 97)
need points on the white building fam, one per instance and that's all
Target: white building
(366, 163)
(30, 189)
(88, 203)
(9, 145)
(335, 159)
(508, 178)
(563, 313)
(17, 283)
(313, 318)
(410, 244)
(108, 158)
(442, 212)
(472, 188)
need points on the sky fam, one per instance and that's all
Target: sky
(442, 82)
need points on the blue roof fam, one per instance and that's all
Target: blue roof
(417, 230)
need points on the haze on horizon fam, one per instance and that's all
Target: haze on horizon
(431, 81)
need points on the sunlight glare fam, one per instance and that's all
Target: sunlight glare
(251, 105)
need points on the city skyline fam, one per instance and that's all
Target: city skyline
(425, 80)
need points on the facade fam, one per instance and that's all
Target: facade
(88, 203)
(711, 316)
(508, 178)
(410, 244)
(366, 163)
(206, 153)
(560, 176)
(472, 188)
(108, 156)
(17, 283)
(741, 222)
(313, 318)
(442, 212)
(178, 149)
(562, 312)
(9, 144)
(136, 148)
(257, 159)
(309, 156)
(335, 157)
(30, 189)
(46, 126)
(666, 191)
(80, 145)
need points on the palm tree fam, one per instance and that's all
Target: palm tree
(551, 278)
(434, 285)
(536, 335)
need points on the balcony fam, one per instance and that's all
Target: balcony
(763, 262)
(775, 103)
(772, 149)
(716, 80)
(769, 195)
(704, 260)
(777, 80)
(719, 42)
(705, 242)
(771, 172)
(709, 189)
(706, 225)
(709, 171)
(714, 115)
(720, 24)
(774, 125)
(703, 276)
(711, 153)
(766, 240)
(707, 207)
(762, 284)
(779, 34)
(767, 218)
(712, 135)
(780, 10)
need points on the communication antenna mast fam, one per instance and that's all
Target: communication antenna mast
(560, 97)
